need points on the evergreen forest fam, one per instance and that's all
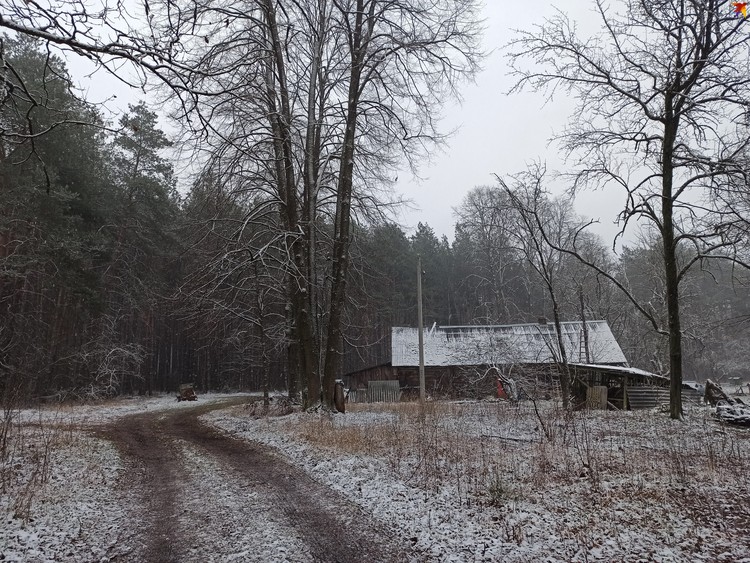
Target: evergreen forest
(255, 248)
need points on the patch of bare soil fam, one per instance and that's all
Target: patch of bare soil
(205, 496)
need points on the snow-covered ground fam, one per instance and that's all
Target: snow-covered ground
(457, 481)
(58, 493)
(227, 514)
(481, 482)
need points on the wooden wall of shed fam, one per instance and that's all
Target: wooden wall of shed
(537, 380)
(437, 378)
(587, 376)
(440, 381)
(359, 379)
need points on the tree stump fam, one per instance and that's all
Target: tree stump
(338, 396)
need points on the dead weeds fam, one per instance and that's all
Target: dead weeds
(493, 453)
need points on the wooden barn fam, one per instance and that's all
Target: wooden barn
(465, 361)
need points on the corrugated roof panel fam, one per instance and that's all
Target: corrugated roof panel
(504, 344)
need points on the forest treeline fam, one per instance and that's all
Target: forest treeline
(112, 282)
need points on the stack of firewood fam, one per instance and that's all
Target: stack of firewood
(729, 410)
(738, 413)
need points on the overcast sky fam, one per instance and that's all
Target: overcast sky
(501, 134)
(496, 133)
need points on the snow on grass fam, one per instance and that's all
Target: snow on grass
(58, 502)
(482, 482)
(458, 481)
(58, 495)
(106, 411)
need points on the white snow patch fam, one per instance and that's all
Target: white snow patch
(58, 495)
(458, 482)
(610, 486)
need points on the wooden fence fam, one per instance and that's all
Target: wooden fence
(377, 392)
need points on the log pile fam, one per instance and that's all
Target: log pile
(729, 410)
(738, 413)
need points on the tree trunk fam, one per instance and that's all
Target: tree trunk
(342, 221)
(264, 363)
(298, 285)
(292, 356)
(565, 372)
(670, 266)
(312, 163)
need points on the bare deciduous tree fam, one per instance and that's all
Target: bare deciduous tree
(658, 91)
(312, 102)
(543, 229)
(315, 101)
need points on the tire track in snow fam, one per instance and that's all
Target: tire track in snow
(151, 481)
(224, 519)
(209, 497)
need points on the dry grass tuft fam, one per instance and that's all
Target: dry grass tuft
(26, 456)
(494, 453)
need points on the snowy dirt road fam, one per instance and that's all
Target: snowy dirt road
(200, 495)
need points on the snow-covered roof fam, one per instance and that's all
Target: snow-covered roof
(622, 369)
(504, 344)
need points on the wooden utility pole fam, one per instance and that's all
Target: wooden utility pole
(420, 330)
(584, 327)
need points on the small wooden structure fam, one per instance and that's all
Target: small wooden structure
(461, 361)
(626, 387)
(596, 397)
(187, 393)
(383, 392)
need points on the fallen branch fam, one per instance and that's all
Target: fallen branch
(507, 438)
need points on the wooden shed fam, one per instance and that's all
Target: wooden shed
(627, 387)
(465, 360)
